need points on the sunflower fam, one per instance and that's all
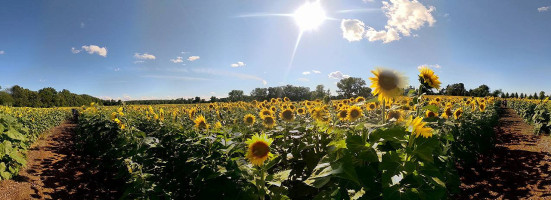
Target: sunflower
(265, 112)
(343, 114)
(387, 83)
(268, 121)
(301, 111)
(201, 122)
(354, 113)
(427, 76)
(218, 125)
(319, 114)
(482, 107)
(360, 99)
(430, 114)
(458, 113)
(417, 127)
(259, 149)
(371, 106)
(249, 119)
(396, 114)
(447, 112)
(287, 115)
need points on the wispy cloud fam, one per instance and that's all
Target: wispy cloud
(543, 9)
(75, 51)
(316, 72)
(435, 66)
(138, 61)
(178, 59)
(305, 73)
(82, 24)
(229, 74)
(182, 78)
(193, 58)
(144, 56)
(303, 79)
(2, 52)
(238, 64)
(337, 75)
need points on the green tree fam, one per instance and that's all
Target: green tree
(456, 89)
(350, 87)
(542, 95)
(259, 94)
(236, 95)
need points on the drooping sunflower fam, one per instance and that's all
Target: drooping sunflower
(268, 121)
(417, 127)
(427, 76)
(342, 114)
(249, 119)
(201, 122)
(319, 114)
(458, 113)
(430, 114)
(258, 149)
(354, 113)
(387, 83)
(398, 115)
(287, 115)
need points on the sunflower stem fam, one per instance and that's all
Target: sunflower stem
(383, 111)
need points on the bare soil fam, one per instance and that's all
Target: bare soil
(56, 170)
(519, 167)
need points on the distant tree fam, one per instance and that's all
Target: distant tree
(535, 96)
(48, 97)
(542, 95)
(350, 87)
(213, 99)
(6, 99)
(456, 89)
(296, 93)
(320, 92)
(481, 91)
(365, 92)
(507, 95)
(497, 93)
(259, 94)
(236, 95)
(275, 92)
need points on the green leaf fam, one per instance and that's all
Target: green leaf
(13, 134)
(18, 157)
(279, 177)
(432, 108)
(321, 175)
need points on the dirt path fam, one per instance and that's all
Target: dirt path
(518, 168)
(56, 171)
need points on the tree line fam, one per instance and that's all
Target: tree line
(46, 98)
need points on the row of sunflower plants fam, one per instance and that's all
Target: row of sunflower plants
(19, 129)
(535, 112)
(393, 146)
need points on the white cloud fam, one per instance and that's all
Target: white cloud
(316, 72)
(144, 56)
(2, 52)
(305, 73)
(403, 16)
(352, 29)
(303, 79)
(91, 49)
(138, 61)
(368, 1)
(82, 24)
(238, 64)
(435, 66)
(75, 51)
(213, 93)
(117, 69)
(184, 52)
(193, 58)
(338, 75)
(446, 14)
(544, 8)
(178, 59)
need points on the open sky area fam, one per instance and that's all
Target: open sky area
(170, 49)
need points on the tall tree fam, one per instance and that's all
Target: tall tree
(236, 95)
(456, 89)
(350, 87)
(259, 94)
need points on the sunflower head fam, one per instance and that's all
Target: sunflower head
(447, 112)
(258, 149)
(482, 107)
(417, 127)
(354, 113)
(265, 112)
(428, 78)
(371, 106)
(268, 121)
(249, 119)
(458, 113)
(387, 83)
(342, 114)
(201, 122)
(430, 114)
(301, 111)
(396, 114)
(360, 99)
(287, 115)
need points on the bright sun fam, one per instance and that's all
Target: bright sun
(309, 16)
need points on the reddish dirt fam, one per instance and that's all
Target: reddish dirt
(55, 170)
(518, 168)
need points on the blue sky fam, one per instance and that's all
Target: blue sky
(171, 49)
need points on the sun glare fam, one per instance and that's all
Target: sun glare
(309, 16)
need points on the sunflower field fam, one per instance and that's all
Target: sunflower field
(535, 112)
(393, 146)
(19, 128)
